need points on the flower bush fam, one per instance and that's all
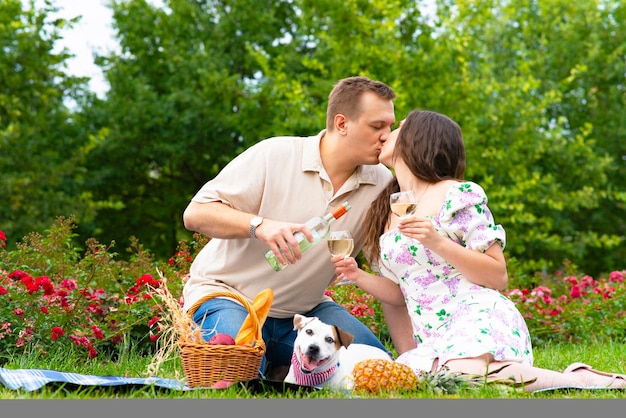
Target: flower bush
(574, 308)
(362, 305)
(55, 294)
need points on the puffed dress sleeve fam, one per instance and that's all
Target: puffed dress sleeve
(467, 220)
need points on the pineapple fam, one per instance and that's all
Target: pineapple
(376, 375)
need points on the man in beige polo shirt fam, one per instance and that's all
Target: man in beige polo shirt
(265, 195)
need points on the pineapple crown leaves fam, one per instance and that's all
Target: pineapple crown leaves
(445, 381)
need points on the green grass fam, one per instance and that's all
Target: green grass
(604, 356)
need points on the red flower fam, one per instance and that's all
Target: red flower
(542, 291)
(68, 284)
(181, 255)
(575, 292)
(24, 336)
(27, 281)
(362, 310)
(97, 332)
(588, 281)
(92, 352)
(17, 275)
(153, 321)
(48, 288)
(3, 291)
(130, 299)
(147, 279)
(616, 276)
(56, 332)
(80, 341)
(516, 293)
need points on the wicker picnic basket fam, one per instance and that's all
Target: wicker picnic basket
(205, 364)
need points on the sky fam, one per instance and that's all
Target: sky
(93, 33)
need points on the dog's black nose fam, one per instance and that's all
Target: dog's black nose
(313, 350)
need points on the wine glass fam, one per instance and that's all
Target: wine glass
(340, 243)
(403, 204)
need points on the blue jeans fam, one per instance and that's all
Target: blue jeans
(225, 316)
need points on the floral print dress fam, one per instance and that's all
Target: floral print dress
(451, 316)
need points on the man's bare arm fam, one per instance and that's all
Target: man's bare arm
(218, 220)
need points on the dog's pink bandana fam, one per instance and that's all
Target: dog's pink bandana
(310, 379)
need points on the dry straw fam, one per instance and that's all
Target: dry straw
(175, 326)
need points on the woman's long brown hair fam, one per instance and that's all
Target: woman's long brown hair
(431, 145)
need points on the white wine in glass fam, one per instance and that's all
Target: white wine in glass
(340, 243)
(403, 203)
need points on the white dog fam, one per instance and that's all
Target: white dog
(324, 355)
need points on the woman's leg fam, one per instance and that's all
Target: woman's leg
(538, 378)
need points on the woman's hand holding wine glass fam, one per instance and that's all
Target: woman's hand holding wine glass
(340, 243)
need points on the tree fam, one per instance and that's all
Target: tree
(521, 90)
(537, 87)
(173, 115)
(41, 148)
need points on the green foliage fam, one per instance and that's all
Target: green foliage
(173, 115)
(41, 151)
(517, 80)
(537, 87)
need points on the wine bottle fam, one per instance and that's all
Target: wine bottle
(319, 226)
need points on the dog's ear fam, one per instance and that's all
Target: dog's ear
(300, 321)
(345, 338)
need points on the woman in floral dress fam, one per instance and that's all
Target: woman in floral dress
(444, 267)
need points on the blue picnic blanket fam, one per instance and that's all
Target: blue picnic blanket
(33, 379)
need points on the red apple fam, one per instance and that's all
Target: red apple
(222, 339)
(222, 384)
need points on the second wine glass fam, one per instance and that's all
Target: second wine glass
(403, 203)
(340, 243)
